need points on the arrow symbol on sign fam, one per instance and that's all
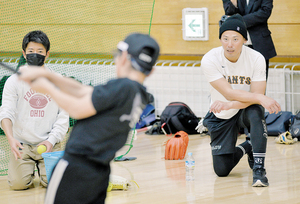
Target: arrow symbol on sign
(191, 25)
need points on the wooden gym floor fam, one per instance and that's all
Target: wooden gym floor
(163, 181)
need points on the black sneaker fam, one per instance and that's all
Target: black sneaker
(259, 178)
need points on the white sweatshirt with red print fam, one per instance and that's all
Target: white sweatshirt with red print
(36, 117)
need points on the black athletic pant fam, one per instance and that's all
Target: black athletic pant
(80, 180)
(253, 118)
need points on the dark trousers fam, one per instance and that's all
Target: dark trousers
(223, 133)
(82, 181)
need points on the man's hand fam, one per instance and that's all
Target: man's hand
(270, 104)
(48, 145)
(15, 147)
(218, 106)
(41, 85)
(31, 73)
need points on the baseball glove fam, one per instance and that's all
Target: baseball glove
(185, 138)
(176, 146)
(285, 138)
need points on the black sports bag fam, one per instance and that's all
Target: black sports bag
(178, 116)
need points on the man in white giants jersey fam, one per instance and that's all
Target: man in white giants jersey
(237, 75)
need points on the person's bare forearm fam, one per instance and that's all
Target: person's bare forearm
(69, 94)
(7, 128)
(71, 102)
(243, 100)
(244, 96)
(218, 106)
(253, 97)
(239, 105)
(14, 144)
(67, 85)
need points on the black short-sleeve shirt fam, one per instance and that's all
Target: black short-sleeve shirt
(119, 104)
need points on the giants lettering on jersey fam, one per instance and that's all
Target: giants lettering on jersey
(37, 101)
(238, 80)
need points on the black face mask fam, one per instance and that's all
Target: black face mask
(35, 59)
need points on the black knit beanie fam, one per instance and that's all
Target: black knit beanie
(235, 23)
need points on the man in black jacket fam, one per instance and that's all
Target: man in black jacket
(255, 14)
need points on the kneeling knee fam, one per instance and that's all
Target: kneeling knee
(256, 111)
(21, 184)
(221, 172)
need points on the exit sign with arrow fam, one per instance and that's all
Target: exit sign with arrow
(192, 25)
(195, 23)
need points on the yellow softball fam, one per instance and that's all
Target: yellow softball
(41, 149)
